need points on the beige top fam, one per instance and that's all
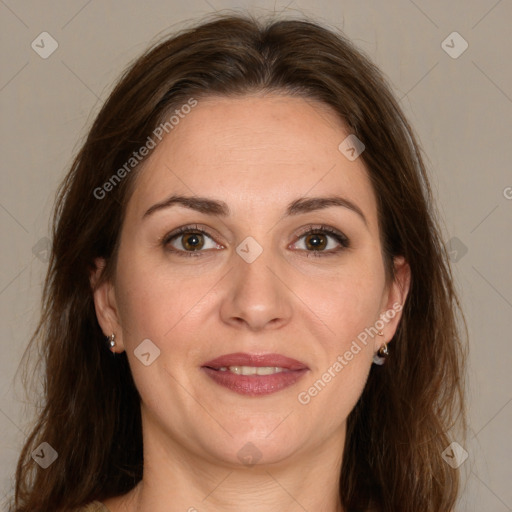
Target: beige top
(95, 506)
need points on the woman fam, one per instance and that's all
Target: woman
(248, 304)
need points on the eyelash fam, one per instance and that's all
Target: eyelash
(310, 230)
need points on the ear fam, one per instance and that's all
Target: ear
(105, 304)
(394, 300)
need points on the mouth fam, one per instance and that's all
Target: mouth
(242, 360)
(253, 374)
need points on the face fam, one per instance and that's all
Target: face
(279, 253)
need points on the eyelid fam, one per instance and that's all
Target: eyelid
(341, 239)
(189, 228)
(322, 228)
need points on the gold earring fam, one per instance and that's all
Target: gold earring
(112, 341)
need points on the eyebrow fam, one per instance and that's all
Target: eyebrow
(214, 207)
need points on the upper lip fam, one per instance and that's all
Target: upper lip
(256, 360)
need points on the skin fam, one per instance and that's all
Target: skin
(257, 154)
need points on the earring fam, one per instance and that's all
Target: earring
(381, 355)
(112, 341)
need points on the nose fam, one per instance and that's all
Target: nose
(256, 295)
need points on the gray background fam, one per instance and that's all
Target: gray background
(460, 107)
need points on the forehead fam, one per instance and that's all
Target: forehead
(254, 151)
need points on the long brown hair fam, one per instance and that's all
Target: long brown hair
(91, 411)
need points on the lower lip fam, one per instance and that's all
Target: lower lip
(255, 385)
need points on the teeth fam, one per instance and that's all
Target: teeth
(253, 370)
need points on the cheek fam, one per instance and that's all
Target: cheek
(343, 358)
(153, 301)
(350, 300)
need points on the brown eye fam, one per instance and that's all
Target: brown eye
(316, 241)
(322, 241)
(189, 241)
(192, 241)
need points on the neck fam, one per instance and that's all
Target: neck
(193, 483)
